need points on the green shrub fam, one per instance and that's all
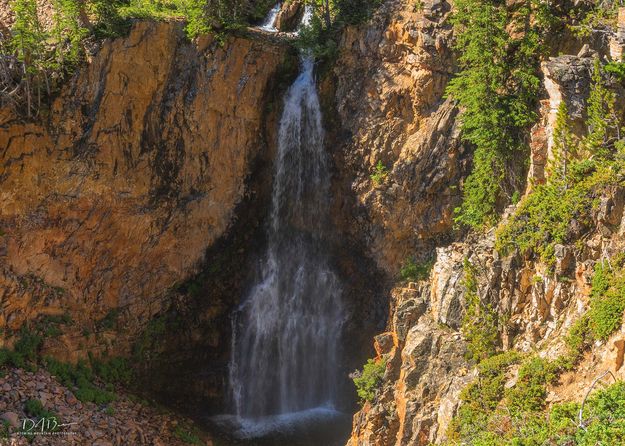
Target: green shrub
(379, 174)
(35, 409)
(187, 435)
(605, 414)
(542, 220)
(109, 321)
(368, 381)
(617, 69)
(607, 299)
(5, 430)
(79, 379)
(530, 392)
(114, 370)
(412, 271)
(151, 336)
(577, 340)
(480, 398)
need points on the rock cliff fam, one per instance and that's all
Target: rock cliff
(138, 170)
(423, 347)
(134, 208)
(389, 85)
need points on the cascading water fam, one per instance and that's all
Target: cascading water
(269, 22)
(287, 331)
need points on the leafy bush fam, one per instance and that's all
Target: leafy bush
(35, 409)
(577, 340)
(605, 414)
(530, 392)
(188, 435)
(24, 353)
(80, 379)
(607, 299)
(480, 398)
(368, 381)
(617, 69)
(150, 337)
(542, 220)
(113, 370)
(412, 271)
(5, 430)
(379, 174)
(109, 321)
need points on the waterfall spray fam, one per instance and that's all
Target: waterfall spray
(287, 331)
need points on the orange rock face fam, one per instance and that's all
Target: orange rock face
(137, 172)
(390, 82)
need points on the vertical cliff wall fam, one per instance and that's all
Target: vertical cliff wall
(137, 171)
(536, 302)
(389, 84)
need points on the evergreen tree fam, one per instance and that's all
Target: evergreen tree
(562, 149)
(603, 122)
(496, 89)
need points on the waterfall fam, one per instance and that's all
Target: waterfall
(269, 22)
(287, 331)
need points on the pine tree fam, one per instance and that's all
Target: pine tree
(496, 89)
(562, 149)
(603, 122)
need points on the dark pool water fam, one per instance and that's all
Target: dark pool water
(313, 427)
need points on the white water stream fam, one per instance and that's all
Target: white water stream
(287, 331)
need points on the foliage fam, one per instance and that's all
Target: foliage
(607, 299)
(80, 379)
(577, 340)
(603, 123)
(27, 43)
(529, 393)
(368, 381)
(492, 415)
(577, 175)
(605, 415)
(496, 88)
(318, 39)
(354, 12)
(616, 69)
(480, 398)
(24, 353)
(329, 18)
(143, 348)
(479, 323)
(112, 370)
(187, 435)
(108, 21)
(109, 321)
(5, 429)
(380, 174)
(412, 271)
(68, 33)
(542, 219)
(562, 149)
(601, 16)
(34, 408)
(196, 17)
